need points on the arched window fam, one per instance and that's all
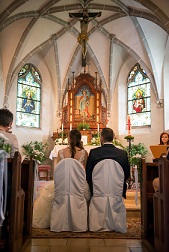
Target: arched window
(139, 106)
(28, 97)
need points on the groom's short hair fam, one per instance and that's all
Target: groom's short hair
(107, 134)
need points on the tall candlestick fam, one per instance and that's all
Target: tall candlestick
(98, 129)
(62, 133)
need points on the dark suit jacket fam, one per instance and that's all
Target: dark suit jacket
(107, 151)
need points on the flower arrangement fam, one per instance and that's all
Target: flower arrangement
(58, 141)
(4, 146)
(36, 150)
(95, 141)
(137, 152)
(83, 126)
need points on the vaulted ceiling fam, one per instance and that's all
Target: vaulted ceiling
(42, 31)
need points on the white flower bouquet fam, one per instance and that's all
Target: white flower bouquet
(95, 141)
(36, 150)
(58, 141)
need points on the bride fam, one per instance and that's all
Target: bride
(43, 204)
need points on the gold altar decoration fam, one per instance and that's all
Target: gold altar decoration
(86, 104)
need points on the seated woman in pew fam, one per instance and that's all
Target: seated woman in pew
(164, 140)
(6, 120)
(43, 204)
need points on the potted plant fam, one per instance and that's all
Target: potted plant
(137, 152)
(83, 126)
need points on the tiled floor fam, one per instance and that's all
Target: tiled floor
(85, 245)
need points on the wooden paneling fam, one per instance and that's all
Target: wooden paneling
(16, 230)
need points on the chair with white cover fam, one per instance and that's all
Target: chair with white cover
(107, 210)
(69, 207)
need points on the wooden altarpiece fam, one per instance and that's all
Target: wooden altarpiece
(84, 105)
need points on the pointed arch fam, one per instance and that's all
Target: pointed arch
(139, 99)
(28, 97)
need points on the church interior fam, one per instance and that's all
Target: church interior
(86, 64)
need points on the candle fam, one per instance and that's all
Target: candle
(70, 126)
(128, 125)
(98, 130)
(62, 126)
(128, 119)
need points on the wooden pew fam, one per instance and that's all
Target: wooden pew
(27, 184)
(16, 231)
(161, 208)
(149, 172)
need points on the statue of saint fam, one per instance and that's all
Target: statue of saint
(84, 104)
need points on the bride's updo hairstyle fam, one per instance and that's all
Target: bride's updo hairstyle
(75, 141)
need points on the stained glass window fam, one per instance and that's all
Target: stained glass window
(28, 97)
(139, 103)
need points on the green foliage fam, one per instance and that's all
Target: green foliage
(36, 150)
(83, 126)
(4, 146)
(95, 140)
(138, 151)
(129, 137)
(61, 134)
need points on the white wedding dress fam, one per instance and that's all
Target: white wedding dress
(42, 206)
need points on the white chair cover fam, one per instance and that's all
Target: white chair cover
(107, 210)
(69, 207)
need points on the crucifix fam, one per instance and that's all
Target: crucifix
(82, 38)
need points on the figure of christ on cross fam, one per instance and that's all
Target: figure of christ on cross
(84, 19)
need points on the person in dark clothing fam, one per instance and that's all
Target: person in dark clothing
(107, 151)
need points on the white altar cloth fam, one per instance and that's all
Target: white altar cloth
(56, 148)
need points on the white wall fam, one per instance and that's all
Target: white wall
(147, 135)
(166, 88)
(26, 134)
(1, 83)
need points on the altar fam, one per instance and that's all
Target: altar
(84, 107)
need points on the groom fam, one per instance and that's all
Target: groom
(107, 151)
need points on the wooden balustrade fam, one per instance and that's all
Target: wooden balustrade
(154, 206)
(161, 208)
